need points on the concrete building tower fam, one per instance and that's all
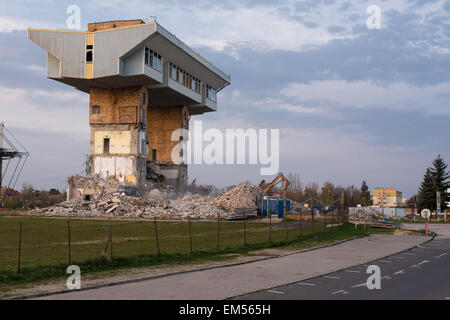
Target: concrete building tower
(143, 83)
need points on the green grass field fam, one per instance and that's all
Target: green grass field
(45, 250)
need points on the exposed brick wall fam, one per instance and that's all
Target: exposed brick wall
(118, 106)
(161, 122)
(98, 26)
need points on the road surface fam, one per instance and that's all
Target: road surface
(230, 281)
(420, 273)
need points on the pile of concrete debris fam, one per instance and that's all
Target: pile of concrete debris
(364, 214)
(244, 195)
(151, 205)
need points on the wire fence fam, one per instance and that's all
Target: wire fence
(30, 242)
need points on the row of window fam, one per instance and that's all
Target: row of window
(153, 59)
(189, 81)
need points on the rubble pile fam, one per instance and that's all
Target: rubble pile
(244, 195)
(121, 205)
(364, 214)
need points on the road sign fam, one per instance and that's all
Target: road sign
(425, 213)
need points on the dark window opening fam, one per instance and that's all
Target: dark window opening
(96, 109)
(89, 46)
(89, 56)
(153, 154)
(106, 145)
(87, 197)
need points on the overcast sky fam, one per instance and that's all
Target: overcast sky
(351, 103)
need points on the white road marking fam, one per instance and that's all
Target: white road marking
(386, 277)
(440, 256)
(420, 246)
(409, 253)
(360, 285)
(306, 284)
(274, 291)
(331, 277)
(354, 271)
(422, 262)
(386, 261)
(415, 266)
(338, 292)
(400, 272)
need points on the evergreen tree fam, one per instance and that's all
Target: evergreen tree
(427, 192)
(441, 179)
(364, 197)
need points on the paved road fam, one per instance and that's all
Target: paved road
(231, 281)
(442, 230)
(420, 273)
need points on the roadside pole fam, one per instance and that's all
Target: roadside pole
(426, 213)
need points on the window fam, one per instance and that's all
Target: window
(95, 109)
(89, 52)
(211, 93)
(153, 59)
(182, 77)
(153, 154)
(106, 145)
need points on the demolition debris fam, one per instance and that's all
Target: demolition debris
(96, 197)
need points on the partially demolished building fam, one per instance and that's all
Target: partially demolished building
(143, 83)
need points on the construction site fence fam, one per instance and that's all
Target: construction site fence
(32, 241)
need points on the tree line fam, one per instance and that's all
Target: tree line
(328, 194)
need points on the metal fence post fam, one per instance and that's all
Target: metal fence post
(218, 231)
(285, 228)
(270, 221)
(312, 220)
(332, 220)
(156, 236)
(324, 223)
(110, 241)
(190, 233)
(20, 247)
(68, 242)
(300, 223)
(245, 231)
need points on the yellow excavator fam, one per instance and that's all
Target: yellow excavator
(284, 185)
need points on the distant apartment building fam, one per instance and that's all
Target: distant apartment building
(387, 197)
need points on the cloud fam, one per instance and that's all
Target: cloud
(433, 99)
(57, 112)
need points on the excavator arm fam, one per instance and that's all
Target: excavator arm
(280, 178)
